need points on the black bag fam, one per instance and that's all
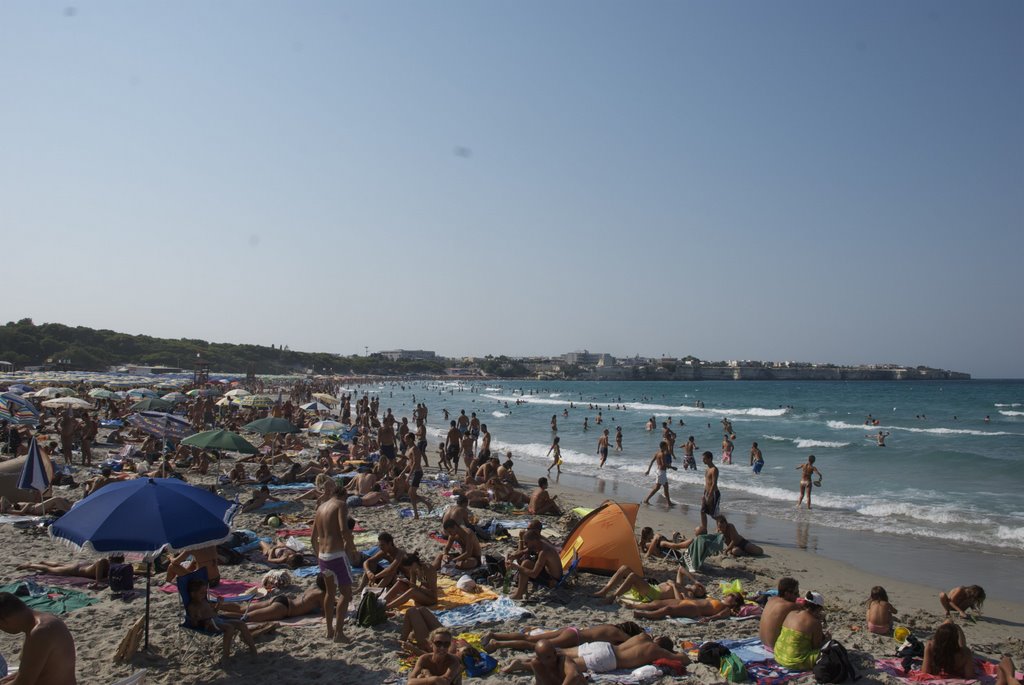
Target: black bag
(121, 578)
(834, 664)
(711, 653)
(371, 610)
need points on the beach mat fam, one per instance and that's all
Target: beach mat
(63, 581)
(986, 671)
(449, 596)
(768, 672)
(52, 600)
(224, 589)
(749, 650)
(13, 518)
(501, 609)
(432, 514)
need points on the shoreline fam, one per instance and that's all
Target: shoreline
(938, 566)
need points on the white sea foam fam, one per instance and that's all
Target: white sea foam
(555, 394)
(806, 443)
(498, 414)
(843, 425)
(1012, 404)
(494, 389)
(1005, 412)
(645, 407)
(922, 512)
(1011, 534)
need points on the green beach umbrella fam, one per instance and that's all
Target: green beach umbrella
(152, 404)
(101, 394)
(220, 440)
(271, 424)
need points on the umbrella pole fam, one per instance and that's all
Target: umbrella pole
(149, 566)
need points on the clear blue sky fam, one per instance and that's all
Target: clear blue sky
(822, 181)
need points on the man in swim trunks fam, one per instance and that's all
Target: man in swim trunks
(807, 470)
(415, 471)
(736, 544)
(602, 657)
(688, 460)
(618, 438)
(474, 428)
(470, 554)
(541, 502)
(802, 634)
(330, 538)
(451, 446)
(386, 439)
(756, 458)
(544, 570)
(602, 447)
(712, 498)
(551, 668)
(661, 482)
(48, 652)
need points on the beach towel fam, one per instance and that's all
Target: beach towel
(751, 649)
(689, 621)
(496, 611)
(65, 581)
(432, 514)
(270, 506)
(225, 589)
(700, 549)
(770, 673)
(294, 532)
(52, 600)
(290, 486)
(14, 518)
(294, 622)
(986, 671)
(449, 596)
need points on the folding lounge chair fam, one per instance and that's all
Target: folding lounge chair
(195, 639)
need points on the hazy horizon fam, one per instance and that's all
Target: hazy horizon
(823, 182)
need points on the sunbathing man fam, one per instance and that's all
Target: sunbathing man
(282, 554)
(52, 505)
(440, 666)
(417, 582)
(192, 560)
(258, 499)
(280, 607)
(541, 502)
(505, 472)
(551, 668)
(388, 551)
(470, 555)
(626, 580)
(545, 570)
(48, 654)
(203, 616)
(99, 481)
(601, 657)
(615, 633)
(707, 609)
(98, 570)
(736, 544)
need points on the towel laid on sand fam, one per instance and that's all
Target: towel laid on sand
(14, 518)
(432, 514)
(65, 581)
(290, 486)
(501, 609)
(702, 547)
(52, 600)
(986, 671)
(770, 673)
(450, 596)
(751, 649)
(224, 589)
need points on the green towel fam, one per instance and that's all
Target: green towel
(52, 600)
(702, 547)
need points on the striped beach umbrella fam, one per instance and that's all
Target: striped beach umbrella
(256, 401)
(161, 424)
(327, 427)
(34, 475)
(51, 393)
(17, 410)
(237, 392)
(314, 406)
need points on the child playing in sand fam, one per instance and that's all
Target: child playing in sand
(963, 598)
(880, 612)
(203, 615)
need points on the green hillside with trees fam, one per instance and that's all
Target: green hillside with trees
(25, 344)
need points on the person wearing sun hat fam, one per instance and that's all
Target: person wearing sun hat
(802, 634)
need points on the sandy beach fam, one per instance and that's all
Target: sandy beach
(301, 654)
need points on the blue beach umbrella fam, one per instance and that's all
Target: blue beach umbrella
(147, 516)
(17, 410)
(34, 475)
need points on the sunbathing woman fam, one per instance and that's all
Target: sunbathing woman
(615, 633)
(438, 665)
(282, 554)
(324, 489)
(52, 505)
(658, 545)
(418, 624)
(703, 609)
(410, 570)
(308, 603)
(97, 570)
(626, 580)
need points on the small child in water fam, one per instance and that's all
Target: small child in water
(880, 612)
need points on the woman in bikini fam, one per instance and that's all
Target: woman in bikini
(625, 581)
(280, 607)
(416, 581)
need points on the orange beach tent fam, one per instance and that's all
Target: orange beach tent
(603, 540)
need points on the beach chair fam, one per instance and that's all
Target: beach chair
(195, 640)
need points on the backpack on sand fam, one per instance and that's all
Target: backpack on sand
(371, 610)
(834, 664)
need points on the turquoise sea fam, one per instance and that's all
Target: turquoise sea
(946, 474)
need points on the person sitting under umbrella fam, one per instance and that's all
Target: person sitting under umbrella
(192, 560)
(203, 615)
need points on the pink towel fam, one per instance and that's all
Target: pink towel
(226, 588)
